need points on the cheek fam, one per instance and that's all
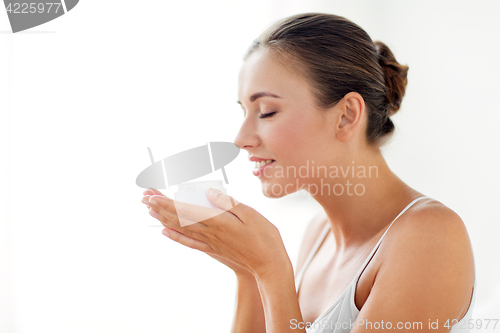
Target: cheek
(279, 138)
(293, 139)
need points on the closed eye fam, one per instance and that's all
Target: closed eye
(267, 115)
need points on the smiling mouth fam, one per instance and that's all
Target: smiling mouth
(263, 163)
(260, 166)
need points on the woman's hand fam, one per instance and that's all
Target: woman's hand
(171, 228)
(235, 233)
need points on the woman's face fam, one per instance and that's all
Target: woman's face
(296, 135)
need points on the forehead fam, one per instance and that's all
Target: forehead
(263, 71)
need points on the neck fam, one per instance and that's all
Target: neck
(370, 201)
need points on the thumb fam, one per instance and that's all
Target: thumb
(221, 200)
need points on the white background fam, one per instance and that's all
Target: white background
(83, 96)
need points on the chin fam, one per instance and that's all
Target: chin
(271, 195)
(276, 190)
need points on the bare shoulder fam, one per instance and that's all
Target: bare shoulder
(311, 234)
(432, 224)
(428, 248)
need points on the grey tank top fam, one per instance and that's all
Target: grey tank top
(341, 316)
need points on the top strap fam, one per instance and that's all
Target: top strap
(381, 238)
(323, 234)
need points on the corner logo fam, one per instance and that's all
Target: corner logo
(27, 14)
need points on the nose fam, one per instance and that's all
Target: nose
(247, 137)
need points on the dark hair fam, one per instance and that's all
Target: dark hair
(336, 56)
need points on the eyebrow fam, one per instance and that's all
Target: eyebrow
(260, 94)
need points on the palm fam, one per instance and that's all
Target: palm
(236, 268)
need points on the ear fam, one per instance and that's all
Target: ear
(352, 110)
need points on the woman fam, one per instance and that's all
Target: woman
(318, 93)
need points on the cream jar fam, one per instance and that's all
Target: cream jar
(196, 192)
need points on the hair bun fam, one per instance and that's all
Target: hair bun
(395, 77)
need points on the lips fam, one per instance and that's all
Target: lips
(258, 159)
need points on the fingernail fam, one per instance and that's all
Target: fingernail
(166, 233)
(153, 213)
(152, 201)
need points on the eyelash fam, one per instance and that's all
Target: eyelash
(267, 115)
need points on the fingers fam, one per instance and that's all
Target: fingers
(187, 241)
(228, 203)
(186, 213)
(187, 223)
(182, 235)
(222, 200)
(152, 191)
(183, 230)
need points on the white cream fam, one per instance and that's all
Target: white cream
(196, 193)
